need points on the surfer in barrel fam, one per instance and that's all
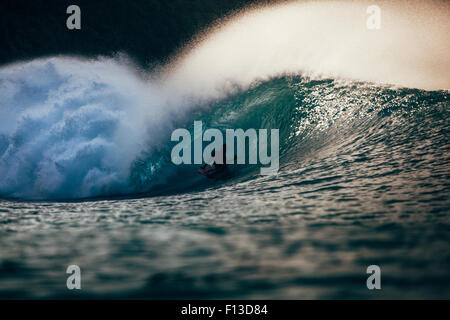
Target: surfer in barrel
(216, 170)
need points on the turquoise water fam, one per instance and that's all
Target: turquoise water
(364, 179)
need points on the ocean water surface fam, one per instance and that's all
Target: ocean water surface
(86, 177)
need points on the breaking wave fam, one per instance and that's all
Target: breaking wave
(74, 128)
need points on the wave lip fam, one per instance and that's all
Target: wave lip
(326, 39)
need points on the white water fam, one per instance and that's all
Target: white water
(71, 128)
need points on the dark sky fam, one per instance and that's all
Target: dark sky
(147, 30)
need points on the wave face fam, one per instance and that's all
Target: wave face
(72, 128)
